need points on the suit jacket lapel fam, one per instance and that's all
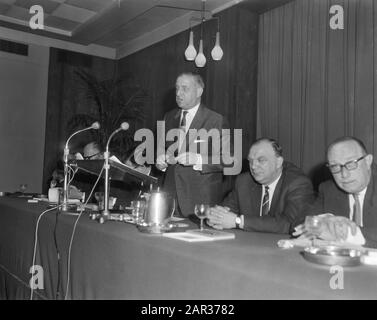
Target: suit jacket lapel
(276, 195)
(256, 197)
(196, 123)
(172, 123)
(369, 201)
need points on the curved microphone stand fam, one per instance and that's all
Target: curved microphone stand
(106, 213)
(64, 207)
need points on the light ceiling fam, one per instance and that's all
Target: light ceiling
(123, 26)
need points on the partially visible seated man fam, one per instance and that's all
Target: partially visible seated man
(269, 198)
(91, 151)
(351, 196)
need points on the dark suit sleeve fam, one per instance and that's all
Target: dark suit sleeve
(231, 201)
(370, 235)
(298, 196)
(317, 206)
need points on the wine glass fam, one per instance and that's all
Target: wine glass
(201, 212)
(23, 187)
(99, 196)
(313, 226)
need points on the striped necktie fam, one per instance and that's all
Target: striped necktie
(265, 202)
(183, 121)
(356, 209)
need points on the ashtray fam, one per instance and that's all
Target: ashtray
(155, 228)
(333, 255)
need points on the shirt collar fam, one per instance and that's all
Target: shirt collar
(193, 110)
(272, 185)
(361, 194)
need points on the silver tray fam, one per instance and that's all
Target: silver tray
(154, 228)
(333, 255)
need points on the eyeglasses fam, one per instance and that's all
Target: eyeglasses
(93, 155)
(350, 165)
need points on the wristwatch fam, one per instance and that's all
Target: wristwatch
(238, 221)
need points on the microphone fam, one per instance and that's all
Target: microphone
(124, 126)
(95, 126)
(105, 214)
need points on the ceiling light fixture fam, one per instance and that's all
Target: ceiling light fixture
(191, 53)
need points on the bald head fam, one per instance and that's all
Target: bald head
(265, 161)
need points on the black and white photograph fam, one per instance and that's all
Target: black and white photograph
(188, 156)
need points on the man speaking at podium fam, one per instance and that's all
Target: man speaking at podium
(188, 175)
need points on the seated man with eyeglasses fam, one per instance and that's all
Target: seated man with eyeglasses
(91, 151)
(351, 196)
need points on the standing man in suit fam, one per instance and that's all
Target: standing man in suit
(351, 196)
(269, 198)
(191, 176)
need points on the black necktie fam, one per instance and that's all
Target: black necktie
(183, 121)
(265, 202)
(356, 210)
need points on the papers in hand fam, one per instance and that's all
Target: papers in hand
(200, 236)
(114, 158)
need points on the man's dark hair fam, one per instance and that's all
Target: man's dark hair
(346, 139)
(274, 144)
(197, 78)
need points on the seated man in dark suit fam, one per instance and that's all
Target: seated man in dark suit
(351, 196)
(269, 198)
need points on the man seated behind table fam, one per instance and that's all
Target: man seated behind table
(124, 193)
(91, 151)
(269, 198)
(351, 196)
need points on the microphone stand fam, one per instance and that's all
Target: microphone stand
(65, 205)
(106, 212)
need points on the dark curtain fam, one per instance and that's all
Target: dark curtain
(65, 98)
(315, 83)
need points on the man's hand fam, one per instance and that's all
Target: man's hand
(332, 228)
(188, 159)
(336, 228)
(221, 218)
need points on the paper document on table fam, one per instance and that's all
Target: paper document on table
(200, 236)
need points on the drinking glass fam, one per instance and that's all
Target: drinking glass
(201, 211)
(313, 226)
(23, 187)
(138, 210)
(99, 196)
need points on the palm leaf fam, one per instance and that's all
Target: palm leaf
(115, 100)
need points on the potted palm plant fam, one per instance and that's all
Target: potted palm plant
(110, 102)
